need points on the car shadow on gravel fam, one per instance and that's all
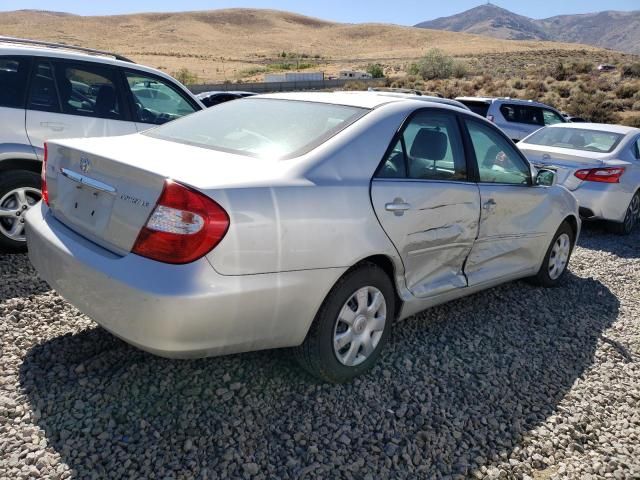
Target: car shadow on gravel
(18, 278)
(595, 236)
(458, 387)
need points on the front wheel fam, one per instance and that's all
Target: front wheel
(556, 260)
(19, 191)
(630, 217)
(351, 327)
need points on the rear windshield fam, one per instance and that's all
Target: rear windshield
(481, 108)
(576, 139)
(261, 127)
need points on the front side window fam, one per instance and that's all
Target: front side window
(430, 148)
(13, 81)
(551, 117)
(637, 148)
(156, 100)
(497, 159)
(262, 128)
(576, 139)
(43, 93)
(88, 90)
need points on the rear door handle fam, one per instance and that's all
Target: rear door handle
(55, 126)
(398, 206)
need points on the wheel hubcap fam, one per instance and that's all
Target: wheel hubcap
(13, 206)
(359, 326)
(632, 213)
(559, 256)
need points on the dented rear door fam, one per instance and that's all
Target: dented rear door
(434, 235)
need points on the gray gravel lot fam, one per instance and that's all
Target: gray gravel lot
(515, 382)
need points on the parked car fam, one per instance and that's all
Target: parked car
(517, 118)
(598, 163)
(417, 95)
(572, 119)
(209, 99)
(606, 67)
(50, 91)
(308, 220)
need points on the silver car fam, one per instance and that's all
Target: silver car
(309, 220)
(598, 163)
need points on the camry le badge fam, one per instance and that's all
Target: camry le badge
(85, 164)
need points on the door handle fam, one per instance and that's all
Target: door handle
(489, 204)
(55, 126)
(398, 206)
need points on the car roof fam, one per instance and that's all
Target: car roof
(17, 49)
(602, 127)
(361, 99)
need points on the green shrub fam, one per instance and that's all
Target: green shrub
(596, 108)
(435, 64)
(375, 70)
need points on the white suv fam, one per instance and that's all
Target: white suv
(50, 91)
(516, 118)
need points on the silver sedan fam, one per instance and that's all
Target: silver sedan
(598, 163)
(310, 220)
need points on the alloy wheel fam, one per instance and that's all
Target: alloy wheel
(633, 212)
(13, 207)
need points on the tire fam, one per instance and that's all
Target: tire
(630, 217)
(19, 191)
(558, 254)
(318, 354)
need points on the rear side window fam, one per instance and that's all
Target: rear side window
(43, 93)
(262, 128)
(13, 81)
(522, 114)
(88, 90)
(481, 108)
(430, 148)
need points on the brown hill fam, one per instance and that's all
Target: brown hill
(240, 43)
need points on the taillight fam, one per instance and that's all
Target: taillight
(184, 226)
(43, 177)
(604, 175)
(490, 118)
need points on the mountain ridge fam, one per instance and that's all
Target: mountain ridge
(617, 30)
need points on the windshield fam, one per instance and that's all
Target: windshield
(261, 127)
(576, 139)
(479, 107)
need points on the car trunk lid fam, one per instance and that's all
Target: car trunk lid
(106, 189)
(563, 162)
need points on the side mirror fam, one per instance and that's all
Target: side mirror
(545, 177)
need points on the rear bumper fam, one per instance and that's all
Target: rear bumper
(602, 201)
(178, 311)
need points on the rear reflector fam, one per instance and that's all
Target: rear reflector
(184, 226)
(604, 175)
(43, 177)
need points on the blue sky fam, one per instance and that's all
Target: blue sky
(403, 12)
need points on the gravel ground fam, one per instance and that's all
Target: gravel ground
(515, 382)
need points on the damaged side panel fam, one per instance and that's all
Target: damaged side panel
(433, 232)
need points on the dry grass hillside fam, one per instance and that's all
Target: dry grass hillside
(238, 44)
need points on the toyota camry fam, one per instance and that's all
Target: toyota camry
(305, 220)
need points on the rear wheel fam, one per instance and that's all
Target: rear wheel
(19, 191)
(351, 327)
(630, 217)
(556, 260)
